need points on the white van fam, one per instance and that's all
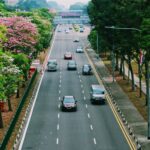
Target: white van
(97, 93)
(52, 65)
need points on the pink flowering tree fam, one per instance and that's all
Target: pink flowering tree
(21, 33)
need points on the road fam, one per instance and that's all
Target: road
(92, 127)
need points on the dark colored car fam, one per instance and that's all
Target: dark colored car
(86, 69)
(68, 55)
(69, 103)
(72, 65)
(76, 40)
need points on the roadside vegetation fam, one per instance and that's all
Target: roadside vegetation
(121, 31)
(23, 36)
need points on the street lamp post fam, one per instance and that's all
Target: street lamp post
(148, 92)
(112, 53)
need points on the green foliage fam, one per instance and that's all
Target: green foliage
(3, 31)
(22, 61)
(32, 4)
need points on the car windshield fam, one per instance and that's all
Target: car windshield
(52, 62)
(69, 100)
(71, 62)
(98, 91)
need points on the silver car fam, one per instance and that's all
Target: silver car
(52, 65)
(72, 65)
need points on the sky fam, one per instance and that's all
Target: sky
(66, 3)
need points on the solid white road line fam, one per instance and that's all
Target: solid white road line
(29, 118)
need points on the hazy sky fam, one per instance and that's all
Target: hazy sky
(66, 3)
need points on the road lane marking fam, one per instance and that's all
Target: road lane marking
(60, 81)
(94, 141)
(58, 115)
(86, 105)
(81, 85)
(84, 98)
(31, 111)
(91, 127)
(59, 98)
(80, 80)
(57, 126)
(59, 106)
(83, 91)
(60, 77)
(132, 145)
(59, 85)
(89, 116)
(59, 91)
(57, 141)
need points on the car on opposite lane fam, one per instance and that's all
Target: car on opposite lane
(69, 103)
(67, 55)
(71, 65)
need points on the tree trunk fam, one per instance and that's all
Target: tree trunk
(121, 65)
(117, 62)
(1, 120)
(123, 68)
(140, 79)
(9, 104)
(18, 91)
(132, 74)
(147, 83)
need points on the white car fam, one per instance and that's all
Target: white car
(79, 50)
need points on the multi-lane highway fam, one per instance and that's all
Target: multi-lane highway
(91, 127)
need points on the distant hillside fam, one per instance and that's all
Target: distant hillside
(55, 5)
(31, 4)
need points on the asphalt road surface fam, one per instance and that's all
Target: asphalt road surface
(92, 127)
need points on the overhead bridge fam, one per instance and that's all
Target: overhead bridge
(71, 17)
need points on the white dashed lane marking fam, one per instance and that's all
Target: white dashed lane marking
(59, 98)
(59, 106)
(83, 91)
(57, 126)
(84, 98)
(58, 115)
(59, 91)
(57, 141)
(94, 141)
(86, 105)
(59, 85)
(89, 116)
(91, 127)
(81, 86)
